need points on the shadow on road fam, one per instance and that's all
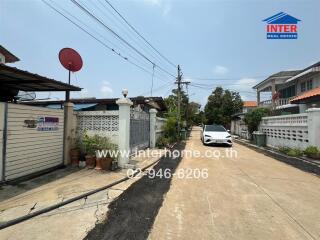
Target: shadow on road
(132, 214)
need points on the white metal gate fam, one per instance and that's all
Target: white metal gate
(139, 130)
(33, 140)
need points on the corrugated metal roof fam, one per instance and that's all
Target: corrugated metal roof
(12, 78)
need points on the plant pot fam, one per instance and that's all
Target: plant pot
(75, 156)
(98, 163)
(106, 163)
(90, 161)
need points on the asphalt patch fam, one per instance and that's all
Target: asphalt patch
(132, 214)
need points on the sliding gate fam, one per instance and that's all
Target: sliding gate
(31, 139)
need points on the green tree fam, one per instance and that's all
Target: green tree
(253, 118)
(221, 105)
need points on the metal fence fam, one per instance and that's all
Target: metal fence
(139, 129)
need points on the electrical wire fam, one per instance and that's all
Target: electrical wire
(136, 31)
(152, 79)
(117, 35)
(224, 79)
(208, 89)
(128, 31)
(158, 88)
(97, 39)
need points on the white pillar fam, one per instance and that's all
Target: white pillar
(314, 126)
(124, 129)
(153, 124)
(68, 126)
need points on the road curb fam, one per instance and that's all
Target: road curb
(299, 163)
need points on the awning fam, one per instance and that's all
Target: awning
(13, 79)
(308, 96)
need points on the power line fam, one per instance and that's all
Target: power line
(208, 89)
(97, 39)
(152, 79)
(136, 31)
(225, 79)
(157, 89)
(128, 31)
(118, 36)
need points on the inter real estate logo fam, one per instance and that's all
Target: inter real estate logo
(282, 26)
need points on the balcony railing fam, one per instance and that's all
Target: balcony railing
(278, 102)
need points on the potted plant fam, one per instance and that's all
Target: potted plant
(89, 149)
(75, 152)
(103, 149)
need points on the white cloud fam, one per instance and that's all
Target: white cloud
(166, 9)
(106, 89)
(220, 70)
(84, 93)
(244, 87)
(247, 82)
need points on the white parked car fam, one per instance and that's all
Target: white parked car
(215, 134)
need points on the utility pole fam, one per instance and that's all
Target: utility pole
(179, 82)
(179, 98)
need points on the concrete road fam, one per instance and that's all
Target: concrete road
(248, 196)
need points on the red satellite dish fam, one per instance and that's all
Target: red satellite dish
(70, 59)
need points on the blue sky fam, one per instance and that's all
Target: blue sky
(210, 39)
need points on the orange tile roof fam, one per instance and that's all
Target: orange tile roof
(250, 104)
(308, 94)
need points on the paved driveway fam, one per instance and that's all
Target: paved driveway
(250, 196)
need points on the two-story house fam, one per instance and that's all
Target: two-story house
(291, 91)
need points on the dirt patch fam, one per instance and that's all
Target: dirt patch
(132, 214)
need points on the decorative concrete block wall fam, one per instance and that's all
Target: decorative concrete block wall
(295, 131)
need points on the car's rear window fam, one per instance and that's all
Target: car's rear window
(214, 128)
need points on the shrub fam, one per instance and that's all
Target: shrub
(253, 118)
(295, 152)
(162, 142)
(284, 150)
(292, 152)
(312, 151)
(88, 144)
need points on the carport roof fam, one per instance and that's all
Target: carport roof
(12, 78)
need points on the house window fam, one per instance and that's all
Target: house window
(288, 92)
(303, 86)
(306, 86)
(309, 84)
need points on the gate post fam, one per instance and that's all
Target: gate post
(68, 126)
(153, 124)
(124, 130)
(314, 126)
